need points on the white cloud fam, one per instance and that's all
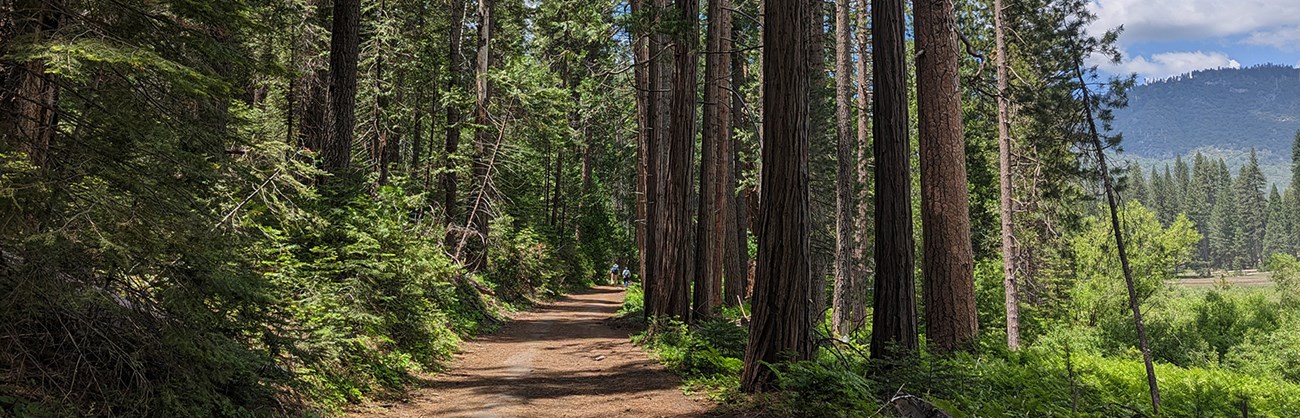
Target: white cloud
(1167, 64)
(1165, 20)
(1285, 38)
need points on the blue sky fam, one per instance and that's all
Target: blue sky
(1163, 38)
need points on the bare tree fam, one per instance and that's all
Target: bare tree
(478, 221)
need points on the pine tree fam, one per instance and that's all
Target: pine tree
(1252, 206)
(1181, 186)
(948, 263)
(1159, 197)
(1137, 186)
(1293, 204)
(1200, 201)
(1277, 225)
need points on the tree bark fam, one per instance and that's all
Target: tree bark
(782, 319)
(28, 94)
(478, 222)
(893, 329)
(658, 99)
(844, 205)
(675, 261)
(715, 160)
(344, 49)
(455, 69)
(1006, 210)
(862, 228)
(949, 264)
(736, 256)
(313, 92)
(644, 137)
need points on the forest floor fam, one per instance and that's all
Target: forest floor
(568, 358)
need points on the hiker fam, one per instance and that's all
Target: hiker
(613, 274)
(627, 274)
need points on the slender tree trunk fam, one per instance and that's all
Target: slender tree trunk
(417, 140)
(949, 264)
(735, 257)
(482, 139)
(782, 319)
(657, 99)
(455, 71)
(641, 71)
(715, 155)
(675, 260)
(1006, 210)
(313, 90)
(844, 246)
(864, 248)
(894, 320)
(1119, 241)
(344, 48)
(557, 198)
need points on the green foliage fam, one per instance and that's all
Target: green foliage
(1154, 252)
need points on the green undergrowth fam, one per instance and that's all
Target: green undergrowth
(1065, 373)
(315, 298)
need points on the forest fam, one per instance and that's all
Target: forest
(255, 208)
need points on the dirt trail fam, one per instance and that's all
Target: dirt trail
(564, 359)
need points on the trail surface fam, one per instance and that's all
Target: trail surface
(564, 359)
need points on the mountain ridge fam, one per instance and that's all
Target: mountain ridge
(1226, 108)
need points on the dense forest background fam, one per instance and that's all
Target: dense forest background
(285, 207)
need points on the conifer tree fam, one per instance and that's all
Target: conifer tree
(1277, 225)
(1252, 206)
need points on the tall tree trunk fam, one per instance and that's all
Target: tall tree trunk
(676, 262)
(864, 248)
(949, 264)
(1119, 240)
(1006, 210)
(715, 155)
(344, 48)
(735, 258)
(311, 86)
(477, 258)
(844, 245)
(658, 99)
(894, 320)
(644, 241)
(782, 319)
(455, 69)
(28, 94)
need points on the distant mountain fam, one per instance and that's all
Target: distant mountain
(1226, 109)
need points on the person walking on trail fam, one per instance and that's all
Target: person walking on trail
(613, 274)
(627, 274)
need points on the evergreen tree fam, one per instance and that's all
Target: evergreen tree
(1181, 185)
(1277, 226)
(1136, 186)
(1252, 207)
(1293, 203)
(1160, 196)
(1199, 201)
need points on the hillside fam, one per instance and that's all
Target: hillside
(1222, 108)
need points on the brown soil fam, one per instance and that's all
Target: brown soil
(565, 359)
